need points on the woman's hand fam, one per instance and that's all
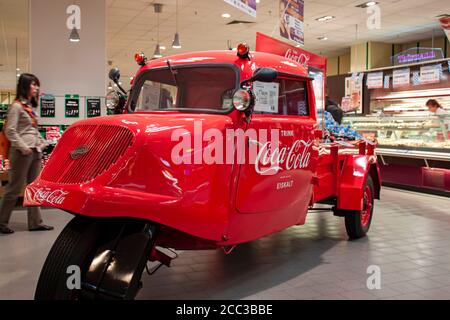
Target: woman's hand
(27, 152)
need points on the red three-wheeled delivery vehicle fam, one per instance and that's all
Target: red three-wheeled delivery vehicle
(212, 149)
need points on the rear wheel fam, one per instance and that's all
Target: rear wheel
(357, 223)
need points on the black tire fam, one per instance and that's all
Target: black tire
(357, 223)
(75, 245)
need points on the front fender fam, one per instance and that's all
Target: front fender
(353, 177)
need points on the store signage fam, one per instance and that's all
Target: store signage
(247, 6)
(417, 55)
(445, 23)
(401, 77)
(47, 106)
(72, 105)
(93, 107)
(291, 20)
(375, 80)
(430, 74)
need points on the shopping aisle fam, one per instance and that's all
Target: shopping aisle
(409, 241)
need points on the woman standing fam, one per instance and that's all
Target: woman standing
(26, 152)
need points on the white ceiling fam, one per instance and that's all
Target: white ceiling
(131, 26)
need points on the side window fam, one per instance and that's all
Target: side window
(292, 98)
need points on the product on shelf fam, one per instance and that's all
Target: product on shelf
(335, 131)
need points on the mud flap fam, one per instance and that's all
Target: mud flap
(117, 265)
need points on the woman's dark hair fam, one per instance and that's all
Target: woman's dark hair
(433, 103)
(24, 85)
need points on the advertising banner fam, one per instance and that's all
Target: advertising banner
(307, 59)
(354, 91)
(247, 6)
(375, 80)
(291, 20)
(401, 77)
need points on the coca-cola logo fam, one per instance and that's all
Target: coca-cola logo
(50, 196)
(272, 158)
(299, 57)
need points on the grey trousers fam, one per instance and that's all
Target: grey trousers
(23, 169)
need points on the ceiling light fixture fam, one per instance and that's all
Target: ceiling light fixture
(157, 53)
(323, 38)
(74, 36)
(325, 18)
(226, 15)
(176, 44)
(162, 47)
(367, 4)
(158, 10)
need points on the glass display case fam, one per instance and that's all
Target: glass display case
(401, 123)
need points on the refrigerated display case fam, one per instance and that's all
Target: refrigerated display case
(413, 144)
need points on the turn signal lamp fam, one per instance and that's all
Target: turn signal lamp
(243, 50)
(140, 58)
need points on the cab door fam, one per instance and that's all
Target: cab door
(280, 177)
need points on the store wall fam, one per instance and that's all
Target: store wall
(338, 65)
(66, 67)
(379, 54)
(344, 64)
(359, 56)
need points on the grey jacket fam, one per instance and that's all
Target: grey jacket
(20, 130)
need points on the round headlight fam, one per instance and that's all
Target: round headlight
(112, 100)
(242, 100)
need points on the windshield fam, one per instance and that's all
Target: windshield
(186, 88)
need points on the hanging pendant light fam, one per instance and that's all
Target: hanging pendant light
(176, 44)
(74, 36)
(158, 10)
(157, 53)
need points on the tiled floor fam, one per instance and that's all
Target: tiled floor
(409, 240)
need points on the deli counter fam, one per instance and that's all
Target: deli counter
(413, 143)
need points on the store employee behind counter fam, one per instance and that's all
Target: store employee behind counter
(333, 108)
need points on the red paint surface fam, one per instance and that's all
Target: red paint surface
(225, 203)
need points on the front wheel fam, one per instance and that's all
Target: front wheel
(96, 259)
(75, 246)
(357, 223)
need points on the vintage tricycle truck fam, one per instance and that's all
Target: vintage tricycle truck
(162, 174)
